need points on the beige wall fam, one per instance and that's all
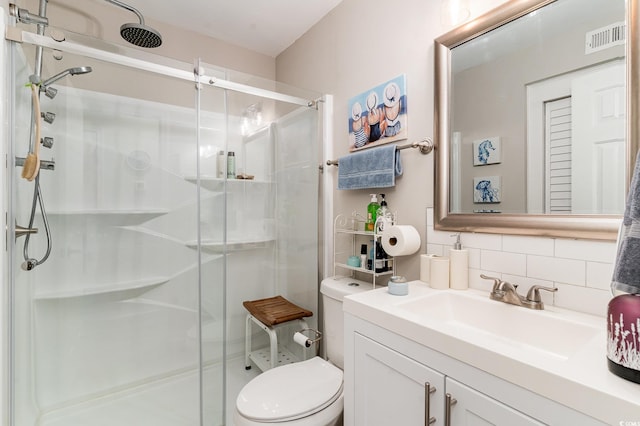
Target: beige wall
(361, 44)
(100, 19)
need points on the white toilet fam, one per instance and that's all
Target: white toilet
(306, 393)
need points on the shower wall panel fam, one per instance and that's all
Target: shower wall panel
(117, 305)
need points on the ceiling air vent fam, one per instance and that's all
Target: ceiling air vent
(605, 37)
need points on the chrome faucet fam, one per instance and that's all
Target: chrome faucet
(506, 292)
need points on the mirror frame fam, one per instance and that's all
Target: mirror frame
(598, 227)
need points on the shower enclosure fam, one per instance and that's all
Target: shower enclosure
(136, 317)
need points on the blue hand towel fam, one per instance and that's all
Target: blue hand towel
(626, 273)
(371, 168)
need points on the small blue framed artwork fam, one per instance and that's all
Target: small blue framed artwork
(486, 151)
(487, 189)
(379, 115)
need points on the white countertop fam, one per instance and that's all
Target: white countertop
(580, 380)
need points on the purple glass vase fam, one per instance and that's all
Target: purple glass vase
(623, 343)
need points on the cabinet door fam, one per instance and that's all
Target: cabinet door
(390, 388)
(473, 408)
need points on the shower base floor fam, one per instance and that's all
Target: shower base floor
(155, 404)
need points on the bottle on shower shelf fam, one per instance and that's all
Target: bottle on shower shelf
(220, 165)
(231, 165)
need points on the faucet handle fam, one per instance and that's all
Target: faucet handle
(533, 295)
(496, 281)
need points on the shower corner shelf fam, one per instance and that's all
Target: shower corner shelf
(124, 289)
(216, 184)
(217, 247)
(113, 217)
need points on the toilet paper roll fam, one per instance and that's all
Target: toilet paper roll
(400, 240)
(301, 339)
(439, 273)
(425, 267)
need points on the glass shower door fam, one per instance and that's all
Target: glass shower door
(270, 233)
(107, 330)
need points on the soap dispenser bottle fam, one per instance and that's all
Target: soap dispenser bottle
(384, 218)
(458, 266)
(372, 211)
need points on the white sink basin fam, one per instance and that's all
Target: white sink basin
(473, 318)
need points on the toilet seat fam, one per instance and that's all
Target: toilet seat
(291, 392)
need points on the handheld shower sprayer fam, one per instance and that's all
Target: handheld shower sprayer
(52, 92)
(138, 33)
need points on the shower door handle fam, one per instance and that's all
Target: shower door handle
(20, 231)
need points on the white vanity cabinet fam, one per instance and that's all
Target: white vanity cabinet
(470, 408)
(387, 378)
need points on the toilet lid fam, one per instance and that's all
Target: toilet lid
(291, 391)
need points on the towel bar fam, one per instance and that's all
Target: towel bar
(425, 146)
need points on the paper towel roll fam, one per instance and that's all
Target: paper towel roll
(439, 274)
(301, 339)
(400, 240)
(425, 267)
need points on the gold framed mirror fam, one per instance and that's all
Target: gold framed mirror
(524, 205)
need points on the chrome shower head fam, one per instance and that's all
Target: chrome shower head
(141, 35)
(52, 92)
(138, 34)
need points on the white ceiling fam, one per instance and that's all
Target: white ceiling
(265, 26)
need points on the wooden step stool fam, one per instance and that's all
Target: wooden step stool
(268, 314)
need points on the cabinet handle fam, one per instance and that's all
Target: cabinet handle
(428, 390)
(449, 401)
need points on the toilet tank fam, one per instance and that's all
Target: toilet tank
(334, 290)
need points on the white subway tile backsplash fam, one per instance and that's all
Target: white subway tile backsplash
(440, 237)
(474, 258)
(581, 270)
(508, 263)
(482, 241)
(556, 269)
(596, 251)
(525, 282)
(436, 249)
(599, 275)
(527, 245)
(588, 300)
